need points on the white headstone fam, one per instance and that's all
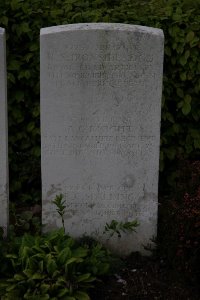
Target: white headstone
(3, 136)
(100, 128)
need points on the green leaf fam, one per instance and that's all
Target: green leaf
(43, 297)
(11, 256)
(195, 133)
(189, 36)
(81, 296)
(38, 276)
(44, 287)
(30, 126)
(25, 252)
(36, 111)
(14, 4)
(63, 292)
(11, 77)
(168, 51)
(197, 144)
(26, 215)
(61, 281)
(14, 65)
(194, 42)
(83, 277)
(24, 74)
(188, 148)
(72, 260)
(11, 287)
(183, 76)
(183, 60)
(36, 151)
(27, 74)
(56, 12)
(80, 252)
(19, 277)
(161, 166)
(34, 47)
(24, 27)
(180, 104)
(176, 128)
(4, 20)
(188, 99)
(187, 54)
(28, 56)
(51, 266)
(171, 152)
(173, 60)
(64, 255)
(180, 93)
(19, 96)
(56, 273)
(186, 108)
(103, 269)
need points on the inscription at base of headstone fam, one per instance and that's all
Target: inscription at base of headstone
(3, 137)
(100, 129)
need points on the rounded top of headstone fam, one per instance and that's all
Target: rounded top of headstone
(102, 26)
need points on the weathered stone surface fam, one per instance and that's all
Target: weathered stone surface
(100, 128)
(3, 137)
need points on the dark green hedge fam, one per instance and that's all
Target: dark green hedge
(23, 19)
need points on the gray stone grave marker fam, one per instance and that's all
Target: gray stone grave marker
(3, 136)
(100, 128)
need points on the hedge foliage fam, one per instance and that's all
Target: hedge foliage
(180, 108)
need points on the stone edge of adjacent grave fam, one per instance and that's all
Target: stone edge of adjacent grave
(3, 35)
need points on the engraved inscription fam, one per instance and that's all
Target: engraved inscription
(99, 200)
(108, 66)
(76, 145)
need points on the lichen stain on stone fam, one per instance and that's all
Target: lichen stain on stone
(45, 201)
(128, 181)
(4, 192)
(147, 196)
(70, 213)
(55, 189)
(50, 226)
(49, 214)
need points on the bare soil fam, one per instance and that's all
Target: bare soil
(145, 278)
